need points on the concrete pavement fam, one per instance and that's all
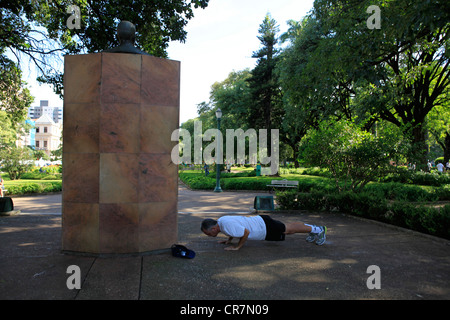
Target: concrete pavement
(411, 266)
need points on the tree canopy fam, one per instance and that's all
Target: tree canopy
(41, 30)
(389, 80)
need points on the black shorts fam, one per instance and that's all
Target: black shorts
(274, 229)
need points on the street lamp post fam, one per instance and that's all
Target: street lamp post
(218, 116)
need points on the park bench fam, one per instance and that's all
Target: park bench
(283, 184)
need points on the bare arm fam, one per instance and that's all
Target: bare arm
(227, 241)
(241, 241)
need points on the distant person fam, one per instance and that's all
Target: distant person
(440, 167)
(448, 166)
(259, 228)
(1, 187)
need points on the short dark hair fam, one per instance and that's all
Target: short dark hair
(208, 224)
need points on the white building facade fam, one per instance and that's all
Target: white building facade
(48, 134)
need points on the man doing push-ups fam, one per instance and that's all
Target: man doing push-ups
(261, 227)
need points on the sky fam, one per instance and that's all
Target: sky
(220, 39)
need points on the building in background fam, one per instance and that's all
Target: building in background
(48, 134)
(46, 122)
(55, 113)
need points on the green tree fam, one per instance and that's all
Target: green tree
(38, 28)
(353, 156)
(438, 123)
(15, 161)
(266, 110)
(15, 98)
(406, 60)
(233, 97)
(305, 89)
(7, 132)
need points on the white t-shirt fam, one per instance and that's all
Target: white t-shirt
(440, 167)
(234, 226)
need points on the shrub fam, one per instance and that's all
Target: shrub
(316, 201)
(424, 219)
(238, 181)
(287, 200)
(14, 190)
(197, 181)
(435, 221)
(316, 171)
(35, 175)
(429, 179)
(403, 175)
(352, 156)
(443, 193)
(402, 192)
(237, 175)
(26, 188)
(259, 183)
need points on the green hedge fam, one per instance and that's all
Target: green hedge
(197, 181)
(390, 191)
(417, 177)
(34, 187)
(40, 176)
(434, 221)
(398, 174)
(405, 192)
(241, 181)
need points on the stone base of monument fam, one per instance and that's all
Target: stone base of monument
(120, 186)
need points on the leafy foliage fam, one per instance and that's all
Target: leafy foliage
(337, 68)
(434, 221)
(38, 29)
(349, 153)
(15, 161)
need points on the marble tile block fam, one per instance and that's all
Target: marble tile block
(157, 137)
(158, 178)
(81, 179)
(119, 128)
(157, 224)
(80, 226)
(81, 133)
(118, 227)
(160, 81)
(119, 183)
(118, 177)
(121, 78)
(82, 78)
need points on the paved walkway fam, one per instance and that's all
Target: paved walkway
(412, 266)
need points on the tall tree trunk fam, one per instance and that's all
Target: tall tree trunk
(446, 147)
(419, 149)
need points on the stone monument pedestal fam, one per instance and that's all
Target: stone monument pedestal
(120, 186)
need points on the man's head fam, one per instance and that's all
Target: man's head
(210, 227)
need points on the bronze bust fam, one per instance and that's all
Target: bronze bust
(126, 34)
